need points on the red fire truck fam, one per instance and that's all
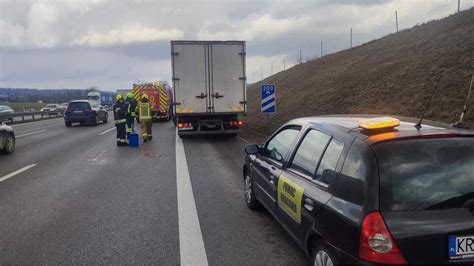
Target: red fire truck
(161, 97)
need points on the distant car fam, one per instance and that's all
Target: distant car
(52, 109)
(64, 106)
(360, 190)
(5, 111)
(83, 111)
(7, 139)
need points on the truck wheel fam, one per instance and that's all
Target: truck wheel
(68, 124)
(106, 119)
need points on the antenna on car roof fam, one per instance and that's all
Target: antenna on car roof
(459, 124)
(418, 125)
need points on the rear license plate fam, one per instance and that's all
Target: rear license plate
(78, 112)
(461, 247)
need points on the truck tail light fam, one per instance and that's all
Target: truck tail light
(237, 123)
(184, 125)
(376, 242)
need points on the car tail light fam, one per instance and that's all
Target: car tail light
(89, 111)
(376, 242)
(236, 123)
(183, 125)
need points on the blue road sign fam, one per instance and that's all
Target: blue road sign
(268, 98)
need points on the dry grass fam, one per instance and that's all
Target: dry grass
(392, 75)
(20, 107)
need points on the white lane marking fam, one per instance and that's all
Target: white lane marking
(191, 245)
(107, 131)
(35, 123)
(244, 140)
(16, 172)
(31, 133)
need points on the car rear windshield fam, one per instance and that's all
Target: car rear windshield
(78, 106)
(426, 174)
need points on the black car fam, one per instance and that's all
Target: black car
(7, 139)
(5, 111)
(83, 111)
(362, 190)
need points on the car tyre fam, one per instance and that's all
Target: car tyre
(68, 124)
(250, 199)
(11, 119)
(323, 255)
(96, 121)
(9, 144)
(106, 119)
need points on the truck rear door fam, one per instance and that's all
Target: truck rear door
(190, 77)
(227, 69)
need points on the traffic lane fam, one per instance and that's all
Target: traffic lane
(51, 142)
(232, 233)
(108, 205)
(35, 126)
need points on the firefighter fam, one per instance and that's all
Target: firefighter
(120, 120)
(144, 115)
(130, 106)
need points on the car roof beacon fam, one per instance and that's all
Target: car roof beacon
(459, 124)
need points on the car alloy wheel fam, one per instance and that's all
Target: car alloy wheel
(248, 189)
(10, 144)
(323, 259)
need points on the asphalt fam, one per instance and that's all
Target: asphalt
(86, 200)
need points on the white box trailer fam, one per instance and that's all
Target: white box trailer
(209, 86)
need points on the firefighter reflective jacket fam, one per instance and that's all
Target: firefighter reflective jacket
(131, 106)
(144, 111)
(119, 112)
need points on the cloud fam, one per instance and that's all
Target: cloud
(263, 27)
(111, 43)
(127, 35)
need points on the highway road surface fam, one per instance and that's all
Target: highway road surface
(70, 195)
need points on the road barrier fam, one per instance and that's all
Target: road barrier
(29, 115)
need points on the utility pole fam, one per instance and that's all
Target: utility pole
(321, 48)
(459, 5)
(284, 63)
(301, 59)
(396, 19)
(351, 38)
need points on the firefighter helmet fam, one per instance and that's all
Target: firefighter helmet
(129, 95)
(118, 97)
(145, 96)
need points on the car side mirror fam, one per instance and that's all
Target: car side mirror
(251, 149)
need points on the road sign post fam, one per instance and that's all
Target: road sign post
(268, 105)
(267, 94)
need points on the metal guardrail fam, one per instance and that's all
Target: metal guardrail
(32, 115)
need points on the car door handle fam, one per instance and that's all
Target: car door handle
(273, 168)
(272, 179)
(308, 204)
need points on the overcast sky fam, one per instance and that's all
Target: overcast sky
(110, 44)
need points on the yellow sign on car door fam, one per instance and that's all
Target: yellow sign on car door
(289, 197)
